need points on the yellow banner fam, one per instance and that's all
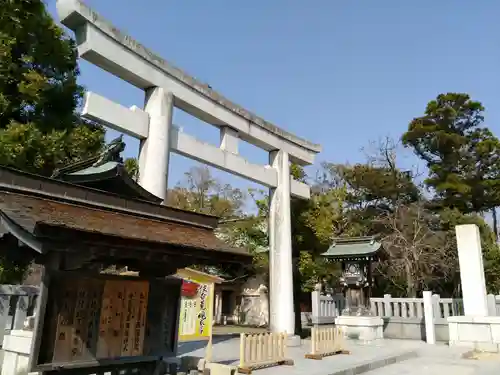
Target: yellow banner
(196, 311)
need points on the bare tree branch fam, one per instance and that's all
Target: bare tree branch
(417, 250)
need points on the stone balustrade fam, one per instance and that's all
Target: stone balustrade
(404, 317)
(17, 305)
(325, 308)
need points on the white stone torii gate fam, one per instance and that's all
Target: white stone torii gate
(165, 87)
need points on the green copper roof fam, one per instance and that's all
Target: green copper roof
(111, 177)
(105, 172)
(106, 167)
(353, 248)
(108, 159)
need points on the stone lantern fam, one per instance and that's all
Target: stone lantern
(357, 255)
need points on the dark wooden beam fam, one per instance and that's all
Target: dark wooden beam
(127, 248)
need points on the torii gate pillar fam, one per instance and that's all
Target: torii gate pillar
(282, 317)
(154, 151)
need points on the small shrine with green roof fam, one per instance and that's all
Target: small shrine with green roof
(357, 255)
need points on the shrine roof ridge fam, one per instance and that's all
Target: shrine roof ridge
(350, 240)
(74, 13)
(353, 247)
(36, 185)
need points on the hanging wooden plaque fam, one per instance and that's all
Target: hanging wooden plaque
(90, 319)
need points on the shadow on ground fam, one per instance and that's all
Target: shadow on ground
(191, 346)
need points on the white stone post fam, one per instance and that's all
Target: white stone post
(218, 306)
(316, 307)
(280, 248)
(492, 305)
(436, 305)
(154, 150)
(430, 328)
(21, 312)
(387, 303)
(16, 349)
(470, 259)
(229, 139)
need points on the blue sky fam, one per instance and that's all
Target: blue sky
(338, 73)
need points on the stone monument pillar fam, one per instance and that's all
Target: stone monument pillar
(470, 258)
(475, 329)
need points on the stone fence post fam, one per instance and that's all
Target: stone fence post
(435, 306)
(316, 306)
(492, 304)
(430, 328)
(16, 347)
(387, 305)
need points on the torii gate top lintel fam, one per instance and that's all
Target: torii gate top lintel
(75, 14)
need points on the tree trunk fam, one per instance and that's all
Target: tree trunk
(495, 223)
(411, 290)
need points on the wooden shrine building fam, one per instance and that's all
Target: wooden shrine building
(89, 216)
(356, 255)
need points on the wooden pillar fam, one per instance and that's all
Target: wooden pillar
(52, 263)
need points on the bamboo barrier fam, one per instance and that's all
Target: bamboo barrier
(326, 341)
(262, 350)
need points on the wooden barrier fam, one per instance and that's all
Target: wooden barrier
(262, 350)
(326, 341)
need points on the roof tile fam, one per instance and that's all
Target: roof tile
(29, 211)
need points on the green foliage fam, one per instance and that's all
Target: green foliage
(464, 169)
(298, 173)
(359, 194)
(327, 215)
(26, 147)
(491, 252)
(39, 129)
(12, 271)
(378, 186)
(132, 168)
(462, 157)
(315, 268)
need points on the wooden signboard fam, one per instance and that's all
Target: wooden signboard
(196, 312)
(77, 320)
(122, 323)
(162, 320)
(107, 318)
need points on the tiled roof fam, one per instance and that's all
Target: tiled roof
(17, 181)
(111, 177)
(32, 212)
(355, 247)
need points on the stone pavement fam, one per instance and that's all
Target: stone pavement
(387, 357)
(440, 360)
